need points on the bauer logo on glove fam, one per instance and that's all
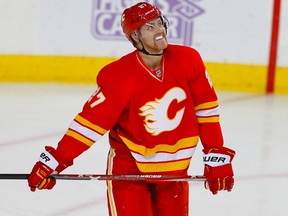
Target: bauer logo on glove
(44, 157)
(213, 159)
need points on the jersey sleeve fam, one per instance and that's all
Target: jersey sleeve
(206, 104)
(98, 115)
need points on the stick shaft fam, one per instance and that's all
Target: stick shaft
(17, 176)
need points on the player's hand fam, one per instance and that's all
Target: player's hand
(218, 169)
(40, 177)
(49, 162)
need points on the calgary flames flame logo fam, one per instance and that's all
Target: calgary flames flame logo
(156, 112)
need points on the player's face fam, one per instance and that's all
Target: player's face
(153, 36)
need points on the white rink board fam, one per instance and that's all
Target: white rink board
(225, 30)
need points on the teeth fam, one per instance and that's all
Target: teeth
(159, 38)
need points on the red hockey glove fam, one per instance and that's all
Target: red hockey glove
(40, 176)
(218, 169)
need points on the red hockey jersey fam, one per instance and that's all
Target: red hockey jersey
(156, 116)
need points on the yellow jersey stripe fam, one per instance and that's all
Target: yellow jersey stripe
(88, 124)
(111, 201)
(206, 105)
(163, 167)
(208, 120)
(189, 142)
(79, 137)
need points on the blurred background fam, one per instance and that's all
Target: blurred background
(52, 50)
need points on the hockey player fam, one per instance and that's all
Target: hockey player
(155, 102)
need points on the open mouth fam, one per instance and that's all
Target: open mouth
(159, 38)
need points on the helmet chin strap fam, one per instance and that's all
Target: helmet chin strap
(143, 50)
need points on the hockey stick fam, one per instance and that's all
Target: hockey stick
(110, 177)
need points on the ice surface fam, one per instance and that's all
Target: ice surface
(35, 115)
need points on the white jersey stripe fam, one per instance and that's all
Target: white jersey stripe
(209, 112)
(85, 131)
(165, 157)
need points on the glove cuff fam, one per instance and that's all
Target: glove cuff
(53, 160)
(47, 159)
(215, 157)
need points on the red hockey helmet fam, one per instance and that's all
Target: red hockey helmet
(137, 15)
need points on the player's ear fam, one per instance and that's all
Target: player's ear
(136, 36)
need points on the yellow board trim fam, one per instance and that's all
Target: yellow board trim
(189, 142)
(63, 69)
(84, 69)
(238, 77)
(281, 80)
